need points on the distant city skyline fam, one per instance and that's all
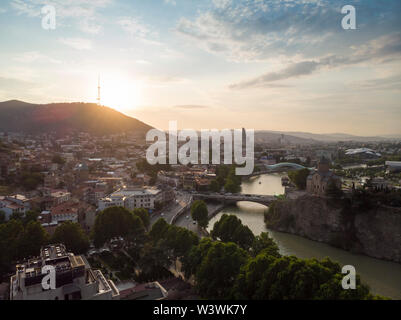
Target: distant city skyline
(261, 64)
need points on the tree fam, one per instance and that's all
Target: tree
(16, 215)
(180, 241)
(200, 213)
(266, 277)
(30, 216)
(11, 233)
(143, 214)
(263, 243)
(298, 177)
(214, 186)
(30, 180)
(117, 222)
(33, 238)
(192, 260)
(159, 230)
(233, 182)
(333, 190)
(230, 229)
(72, 236)
(2, 217)
(58, 159)
(219, 269)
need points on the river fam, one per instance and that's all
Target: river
(383, 277)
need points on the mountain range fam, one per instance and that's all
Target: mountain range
(19, 116)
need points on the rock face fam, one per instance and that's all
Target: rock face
(375, 232)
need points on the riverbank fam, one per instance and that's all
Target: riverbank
(382, 276)
(375, 232)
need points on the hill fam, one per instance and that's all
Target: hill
(19, 116)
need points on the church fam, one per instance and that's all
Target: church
(318, 181)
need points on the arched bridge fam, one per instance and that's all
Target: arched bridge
(262, 199)
(279, 167)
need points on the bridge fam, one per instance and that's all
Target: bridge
(232, 198)
(279, 167)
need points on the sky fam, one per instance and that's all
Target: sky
(283, 65)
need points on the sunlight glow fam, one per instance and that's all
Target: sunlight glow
(120, 93)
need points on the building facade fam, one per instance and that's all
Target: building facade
(74, 278)
(318, 181)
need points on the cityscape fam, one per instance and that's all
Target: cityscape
(287, 187)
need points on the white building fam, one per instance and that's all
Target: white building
(74, 278)
(132, 198)
(14, 204)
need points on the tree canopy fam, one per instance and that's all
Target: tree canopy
(143, 214)
(73, 236)
(230, 229)
(117, 222)
(200, 213)
(298, 177)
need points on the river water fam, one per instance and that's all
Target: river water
(383, 277)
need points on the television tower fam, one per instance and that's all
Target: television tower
(98, 91)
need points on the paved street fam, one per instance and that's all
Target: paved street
(169, 212)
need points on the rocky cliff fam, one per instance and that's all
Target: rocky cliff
(375, 232)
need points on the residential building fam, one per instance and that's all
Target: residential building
(74, 278)
(132, 198)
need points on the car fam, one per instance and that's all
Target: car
(194, 222)
(187, 217)
(162, 214)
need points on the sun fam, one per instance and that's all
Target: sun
(120, 93)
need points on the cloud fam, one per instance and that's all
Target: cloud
(135, 27)
(382, 50)
(77, 43)
(33, 56)
(387, 83)
(258, 30)
(84, 13)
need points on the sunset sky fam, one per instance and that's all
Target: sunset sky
(274, 65)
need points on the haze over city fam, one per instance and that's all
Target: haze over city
(272, 65)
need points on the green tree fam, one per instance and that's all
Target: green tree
(117, 222)
(31, 215)
(2, 217)
(159, 230)
(33, 238)
(263, 243)
(143, 214)
(72, 236)
(230, 229)
(192, 260)
(58, 159)
(200, 213)
(266, 277)
(298, 177)
(333, 190)
(219, 269)
(214, 186)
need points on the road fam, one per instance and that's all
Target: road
(170, 211)
(186, 221)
